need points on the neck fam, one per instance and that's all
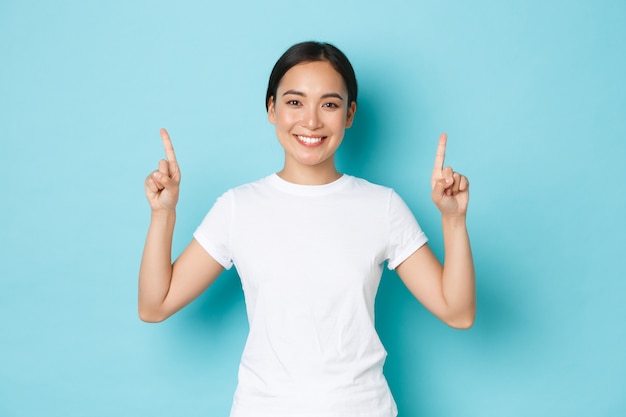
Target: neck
(310, 175)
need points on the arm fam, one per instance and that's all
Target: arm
(165, 288)
(447, 290)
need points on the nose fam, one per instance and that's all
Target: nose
(311, 118)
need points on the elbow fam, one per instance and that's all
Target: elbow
(462, 322)
(151, 316)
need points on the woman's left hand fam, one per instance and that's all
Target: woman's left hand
(450, 189)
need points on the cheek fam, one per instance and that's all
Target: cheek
(337, 120)
(286, 117)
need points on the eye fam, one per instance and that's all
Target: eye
(293, 102)
(331, 105)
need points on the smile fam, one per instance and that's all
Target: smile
(307, 140)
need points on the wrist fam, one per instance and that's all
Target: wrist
(163, 215)
(454, 220)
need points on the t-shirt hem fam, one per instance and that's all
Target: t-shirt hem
(240, 412)
(211, 250)
(418, 243)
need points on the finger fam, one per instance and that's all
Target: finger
(174, 171)
(463, 183)
(167, 145)
(441, 188)
(447, 176)
(441, 153)
(164, 167)
(151, 184)
(162, 180)
(155, 181)
(457, 182)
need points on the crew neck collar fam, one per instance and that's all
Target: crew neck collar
(311, 190)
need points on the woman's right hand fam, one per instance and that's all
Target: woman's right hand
(162, 185)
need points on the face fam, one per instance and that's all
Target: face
(311, 112)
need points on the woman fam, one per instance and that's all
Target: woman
(309, 244)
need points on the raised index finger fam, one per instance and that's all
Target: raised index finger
(167, 144)
(441, 153)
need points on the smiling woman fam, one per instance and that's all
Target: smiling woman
(311, 113)
(309, 244)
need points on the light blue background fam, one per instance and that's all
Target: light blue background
(532, 94)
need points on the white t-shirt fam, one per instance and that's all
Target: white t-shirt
(310, 259)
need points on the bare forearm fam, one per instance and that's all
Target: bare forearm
(459, 288)
(155, 273)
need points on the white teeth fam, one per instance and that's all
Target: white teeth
(308, 140)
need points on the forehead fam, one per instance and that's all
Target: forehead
(315, 76)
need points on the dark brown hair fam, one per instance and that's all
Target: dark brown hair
(309, 52)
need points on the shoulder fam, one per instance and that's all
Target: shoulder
(360, 185)
(382, 195)
(260, 184)
(249, 193)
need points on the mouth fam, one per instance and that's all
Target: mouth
(310, 140)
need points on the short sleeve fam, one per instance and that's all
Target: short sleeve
(213, 233)
(405, 234)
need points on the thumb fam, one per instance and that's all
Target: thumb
(440, 188)
(163, 180)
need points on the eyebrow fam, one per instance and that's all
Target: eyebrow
(301, 94)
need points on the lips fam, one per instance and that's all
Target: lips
(310, 140)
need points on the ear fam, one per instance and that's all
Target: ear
(350, 116)
(271, 110)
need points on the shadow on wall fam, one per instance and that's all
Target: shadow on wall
(427, 358)
(216, 321)
(218, 304)
(360, 148)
